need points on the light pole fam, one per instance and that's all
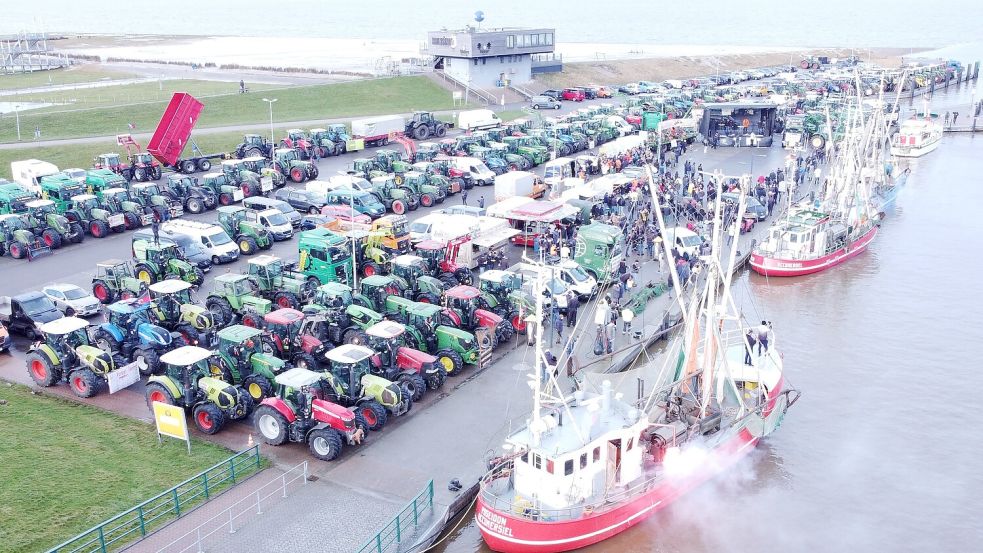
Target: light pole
(17, 117)
(268, 101)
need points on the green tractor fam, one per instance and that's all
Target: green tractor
(344, 322)
(66, 353)
(513, 161)
(390, 161)
(423, 125)
(238, 172)
(254, 145)
(87, 211)
(174, 308)
(275, 282)
(18, 241)
(251, 237)
(551, 141)
(443, 175)
(14, 198)
(262, 167)
(60, 189)
(234, 296)
(324, 144)
(426, 331)
(240, 360)
(227, 191)
(54, 229)
(350, 382)
(324, 257)
(374, 292)
(502, 294)
(163, 207)
(528, 147)
(289, 163)
(396, 198)
(119, 200)
(188, 382)
(156, 262)
(367, 168)
(186, 190)
(411, 368)
(428, 190)
(412, 275)
(370, 257)
(114, 280)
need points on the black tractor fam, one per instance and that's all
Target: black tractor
(423, 125)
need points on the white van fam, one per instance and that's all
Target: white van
(478, 119)
(272, 220)
(214, 240)
(684, 240)
(421, 228)
(28, 173)
(481, 175)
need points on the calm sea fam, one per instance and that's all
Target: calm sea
(848, 23)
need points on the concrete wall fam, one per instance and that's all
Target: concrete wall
(488, 71)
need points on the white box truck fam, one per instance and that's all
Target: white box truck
(375, 131)
(480, 174)
(28, 173)
(517, 183)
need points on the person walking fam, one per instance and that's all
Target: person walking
(155, 228)
(481, 202)
(945, 120)
(573, 304)
(626, 317)
(955, 115)
(558, 325)
(464, 196)
(763, 331)
(749, 346)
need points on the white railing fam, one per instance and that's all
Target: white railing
(524, 92)
(251, 504)
(477, 92)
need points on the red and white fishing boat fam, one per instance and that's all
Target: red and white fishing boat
(588, 467)
(820, 234)
(917, 136)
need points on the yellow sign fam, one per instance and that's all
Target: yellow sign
(171, 421)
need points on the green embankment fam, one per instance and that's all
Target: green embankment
(68, 467)
(81, 74)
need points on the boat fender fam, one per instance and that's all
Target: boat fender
(588, 510)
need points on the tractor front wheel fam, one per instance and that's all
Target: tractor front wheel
(196, 276)
(144, 273)
(194, 205)
(436, 379)
(225, 198)
(325, 443)
(297, 174)
(159, 393)
(414, 384)
(271, 425)
(98, 229)
(102, 292)
(258, 386)
(427, 297)
(356, 336)
(42, 371)
(286, 299)
(451, 361)
(188, 333)
(140, 174)
(398, 207)
(105, 341)
(131, 221)
(504, 332)
(247, 245)
(252, 319)
(17, 251)
(147, 360)
(427, 200)
(374, 414)
(84, 383)
(220, 310)
(51, 238)
(208, 418)
(518, 322)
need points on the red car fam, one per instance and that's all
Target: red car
(574, 94)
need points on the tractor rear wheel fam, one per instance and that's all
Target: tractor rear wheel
(258, 387)
(51, 238)
(297, 174)
(210, 200)
(252, 319)
(250, 189)
(42, 371)
(427, 297)
(105, 341)
(436, 379)
(325, 443)
(158, 392)
(147, 360)
(451, 361)
(374, 414)
(188, 333)
(131, 221)
(271, 425)
(306, 361)
(102, 292)
(144, 273)
(225, 198)
(427, 200)
(194, 206)
(414, 384)
(371, 268)
(247, 245)
(208, 418)
(98, 229)
(156, 173)
(398, 207)
(286, 299)
(221, 311)
(356, 336)
(421, 132)
(83, 382)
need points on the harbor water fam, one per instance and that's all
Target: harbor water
(882, 451)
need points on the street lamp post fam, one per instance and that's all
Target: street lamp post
(268, 101)
(17, 117)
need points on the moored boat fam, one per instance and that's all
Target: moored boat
(917, 136)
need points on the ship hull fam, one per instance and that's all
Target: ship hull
(777, 267)
(506, 532)
(904, 151)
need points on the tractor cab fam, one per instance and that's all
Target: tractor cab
(349, 364)
(286, 323)
(240, 343)
(385, 337)
(186, 365)
(463, 308)
(115, 277)
(333, 295)
(499, 283)
(339, 131)
(161, 254)
(463, 299)
(170, 294)
(267, 269)
(287, 155)
(109, 161)
(409, 268)
(395, 233)
(390, 161)
(254, 140)
(85, 203)
(66, 334)
(40, 209)
(442, 259)
(233, 286)
(299, 388)
(142, 158)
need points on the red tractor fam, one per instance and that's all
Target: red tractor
(114, 163)
(298, 413)
(143, 165)
(290, 335)
(412, 368)
(442, 260)
(462, 311)
(298, 139)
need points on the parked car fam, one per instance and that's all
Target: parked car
(631, 89)
(310, 222)
(214, 240)
(304, 201)
(545, 102)
(260, 203)
(71, 300)
(753, 205)
(553, 93)
(590, 92)
(604, 92)
(344, 213)
(573, 94)
(362, 201)
(25, 313)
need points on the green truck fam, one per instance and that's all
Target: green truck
(14, 198)
(60, 189)
(599, 250)
(324, 257)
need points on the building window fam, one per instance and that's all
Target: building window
(568, 467)
(549, 466)
(549, 39)
(583, 461)
(537, 461)
(597, 454)
(510, 41)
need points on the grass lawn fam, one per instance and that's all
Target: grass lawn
(134, 93)
(510, 114)
(80, 74)
(372, 97)
(68, 467)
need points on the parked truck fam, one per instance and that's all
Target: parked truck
(29, 172)
(518, 183)
(378, 131)
(173, 135)
(24, 314)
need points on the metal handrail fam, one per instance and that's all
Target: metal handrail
(393, 533)
(228, 518)
(481, 94)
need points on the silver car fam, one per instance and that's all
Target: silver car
(544, 102)
(72, 300)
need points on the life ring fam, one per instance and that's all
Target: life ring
(746, 123)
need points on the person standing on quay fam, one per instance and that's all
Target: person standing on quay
(464, 196)
(573, 304)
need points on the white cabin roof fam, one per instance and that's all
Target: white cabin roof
(185, 355)
(170, 286)
(297, 378)
(349, 353)
(386, 330)
(65, 325)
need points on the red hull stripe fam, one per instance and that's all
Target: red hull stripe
(769, 266)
